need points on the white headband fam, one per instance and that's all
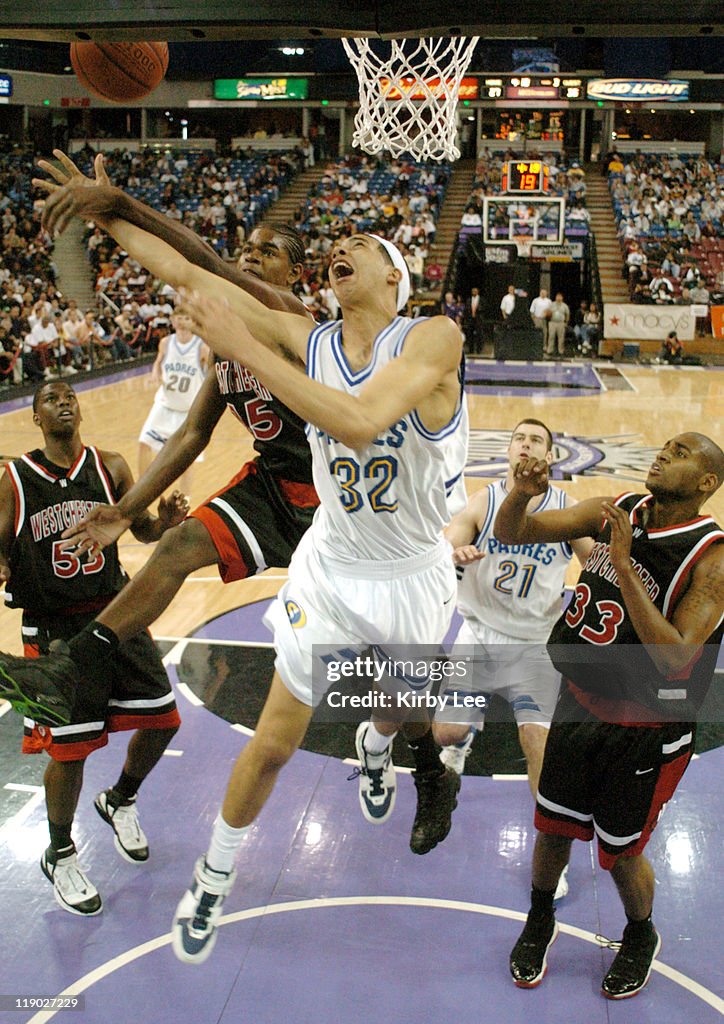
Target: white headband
(398, 262)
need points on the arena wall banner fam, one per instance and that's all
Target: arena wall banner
(717, 321)
(632, 322)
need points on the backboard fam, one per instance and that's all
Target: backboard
(523, 221)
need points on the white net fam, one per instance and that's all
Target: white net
(408, 94)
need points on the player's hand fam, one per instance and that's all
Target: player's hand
(621, 536)
(69, 172)
(103, 525)
(531, 476)
(75, 200)
(173, 510)
(467, 554)
(4, 573)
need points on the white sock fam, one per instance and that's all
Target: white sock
(224, 845)
(374, 742)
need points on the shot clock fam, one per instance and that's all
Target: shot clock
(525, 176)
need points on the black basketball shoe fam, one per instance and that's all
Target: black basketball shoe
(436, 800)
(631, 967)
(529, 958)
(40, 688)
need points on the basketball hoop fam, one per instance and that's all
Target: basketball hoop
(408, 97)
(523, 246)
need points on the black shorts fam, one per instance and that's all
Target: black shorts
(608, 780)
(132, 692)
(256, 521)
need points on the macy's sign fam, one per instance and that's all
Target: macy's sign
(627, 320)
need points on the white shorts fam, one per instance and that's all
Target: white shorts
(330, 613)
(160, 424)
(519, 671)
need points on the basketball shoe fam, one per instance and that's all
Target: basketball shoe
(377, 780)
(455, 755)
(130, 840)
(194, 926)
(436, 800)
(40, 688)
(529, 958)
(632, 965)
(73, 890)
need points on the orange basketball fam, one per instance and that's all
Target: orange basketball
(119, 71)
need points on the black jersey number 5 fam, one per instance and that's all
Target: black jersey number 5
(262, 421)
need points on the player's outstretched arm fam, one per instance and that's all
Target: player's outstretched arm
(102, 201)
(423, 377)
(144, 526)
(513, 525)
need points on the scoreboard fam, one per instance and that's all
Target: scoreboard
(525, 177)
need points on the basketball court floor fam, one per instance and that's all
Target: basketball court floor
(333, 920)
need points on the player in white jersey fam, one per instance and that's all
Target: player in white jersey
(510, 598)
(179, 369)
(373, 569)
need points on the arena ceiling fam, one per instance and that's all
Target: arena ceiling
(187, 20)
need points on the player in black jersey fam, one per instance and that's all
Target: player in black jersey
(41, 494)
(637, 649)
(258, 518)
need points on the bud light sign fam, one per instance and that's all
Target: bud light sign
(638, 90)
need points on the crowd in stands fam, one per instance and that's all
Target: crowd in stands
(42, 333)
(670, 212)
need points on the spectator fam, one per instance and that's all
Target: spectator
(507, 303)
(540, 309)
(452, 306)
(590, 331)
(44, 339)
(416, 265)
(635, 261)
(32, 362)
(78, 350)
(9, 348)
(559, 315)
(93, 338)
(661, 288)
(672, 351)
(471, 218)
(578, 321)
(473, 322)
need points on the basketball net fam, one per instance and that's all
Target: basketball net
(408, 98)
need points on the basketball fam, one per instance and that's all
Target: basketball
(119, 71)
